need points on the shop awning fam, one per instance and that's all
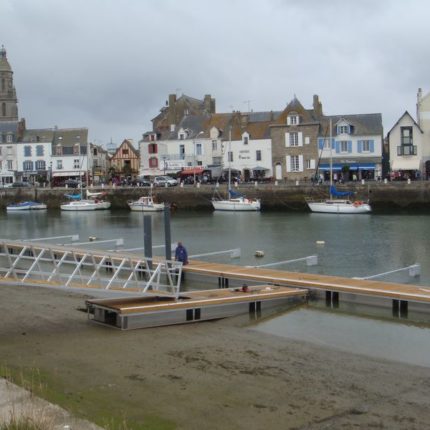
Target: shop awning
(405, 164)
(352, 166)
(192, 171)
(64, 174)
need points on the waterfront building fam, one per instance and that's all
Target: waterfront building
(248, 150)
(294, 134)
(36, 154)
(99, 160)
(287, 145)
(356, 147)
(405, 140)
(125, 162)
(423, 118)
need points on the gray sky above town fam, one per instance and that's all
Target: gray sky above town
(109, 65)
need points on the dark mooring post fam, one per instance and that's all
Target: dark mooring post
(147, 238)
(167, 233)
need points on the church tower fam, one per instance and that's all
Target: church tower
(8, 100)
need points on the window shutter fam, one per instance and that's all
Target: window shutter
(337, 145)
(307, 140)
(350, 146)
(300, 135)
(320, 143)
(312, 164)
(333, 143)
(288, 120)
(288, 163)
(372, 145)
(359, 146)
(287, 139)
(300, 163)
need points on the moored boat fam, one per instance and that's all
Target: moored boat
(145, 204)
(85, 205)
(25, 206)
(236, 202)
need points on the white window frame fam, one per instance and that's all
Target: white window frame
(9, 164)
(365, 146)
(76, 163)
(343, 129)
(343, 146)
(310, 164)
(230, 156)
(294, 139)
(214, 145)
(59, 164)
(294, 163)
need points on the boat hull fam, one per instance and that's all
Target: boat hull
(340, 207)
(236, 205)
(138, 207)
(26, 206)
(85, 205)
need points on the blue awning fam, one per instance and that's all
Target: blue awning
(352, 166)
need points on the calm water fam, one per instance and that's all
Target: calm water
(354, 246)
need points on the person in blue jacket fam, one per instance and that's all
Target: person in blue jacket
(181, 254)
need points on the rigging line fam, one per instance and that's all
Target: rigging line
(319, 161)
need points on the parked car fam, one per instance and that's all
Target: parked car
(73, 183)
(141, 182)
(162, 181)
(19, 184)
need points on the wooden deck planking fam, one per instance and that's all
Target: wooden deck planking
(198, 299)
(313, 281)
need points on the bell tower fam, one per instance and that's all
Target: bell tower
(8, 100)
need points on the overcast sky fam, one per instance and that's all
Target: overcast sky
(109, 65)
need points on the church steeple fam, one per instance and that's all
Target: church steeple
(8, 100)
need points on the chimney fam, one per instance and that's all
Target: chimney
(171, 113)
(419, 98)
(207, 103)
(317, 106)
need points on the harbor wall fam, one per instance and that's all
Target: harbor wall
(384, 197)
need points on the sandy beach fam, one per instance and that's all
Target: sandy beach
(211, 375)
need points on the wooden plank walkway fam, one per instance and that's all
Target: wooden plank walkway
(311, 281)
(191, 299)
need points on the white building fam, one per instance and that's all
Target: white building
(407, 149)
(251, 157)
(356, 148)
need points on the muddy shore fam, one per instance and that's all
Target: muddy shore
(212, 375)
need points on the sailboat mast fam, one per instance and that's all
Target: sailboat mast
(331, 157)
(229, 162)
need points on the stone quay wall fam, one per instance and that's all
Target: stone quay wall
(384, 197)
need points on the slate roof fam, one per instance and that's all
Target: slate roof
(70, 136)
(38, 135)
(9, 127)
(364, 124)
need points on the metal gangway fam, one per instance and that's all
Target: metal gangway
(70, 267)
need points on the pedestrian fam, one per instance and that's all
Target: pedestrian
(182, 256)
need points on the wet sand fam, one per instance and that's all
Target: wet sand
(210, 375)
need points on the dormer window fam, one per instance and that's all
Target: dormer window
(293, 119)
(343, 129)
(245, 140)
(181, 136)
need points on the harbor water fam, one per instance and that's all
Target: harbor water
(348, 245)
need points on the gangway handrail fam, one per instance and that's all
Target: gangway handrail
(311, 260)
(118, 242)
(73, 238)
(234, 253)
(414, 271)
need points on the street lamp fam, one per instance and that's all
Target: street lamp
(194, 163)
(50, 174)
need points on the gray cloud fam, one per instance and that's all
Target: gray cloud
(109, 65)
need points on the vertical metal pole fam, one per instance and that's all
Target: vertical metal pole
(167, 233)
(147, 238)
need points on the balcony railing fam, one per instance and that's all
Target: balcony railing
(407, 150)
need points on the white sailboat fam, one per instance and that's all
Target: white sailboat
(93, 201)
(145, 204)
(338, 205)
(235, 201)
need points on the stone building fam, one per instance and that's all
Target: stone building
(294, 135)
